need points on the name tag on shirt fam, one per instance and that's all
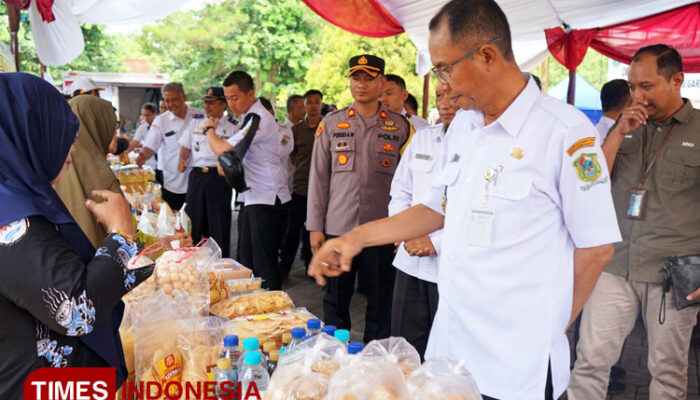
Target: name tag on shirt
(481, 227)
(423, 156)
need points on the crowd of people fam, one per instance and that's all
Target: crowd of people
(482, 237)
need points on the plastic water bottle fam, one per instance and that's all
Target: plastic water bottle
(297, 337)
(329, 330)
(286, 340)
(313, 326)
(343, 335)
(250, 345)
(224, 373)
(268, 347)
(355, 347)
(231, 351)
(274, 359)
(254, 372)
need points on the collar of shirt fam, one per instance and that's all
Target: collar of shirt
(517, 112)
(683, 114)
(379, 115)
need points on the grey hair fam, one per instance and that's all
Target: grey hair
(176, 86)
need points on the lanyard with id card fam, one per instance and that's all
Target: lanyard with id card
(638, 196)
(481, 218)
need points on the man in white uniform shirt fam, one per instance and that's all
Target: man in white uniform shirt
(149, 112)
(525, 202)
(614, 97)
(415, 289)
(163, 138)
(266, 174)
(208, 193)
(394, 94)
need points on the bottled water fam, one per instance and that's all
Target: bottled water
(254, 372)
(231, 351)
(355, 347)
(224, 373)
(343, 335)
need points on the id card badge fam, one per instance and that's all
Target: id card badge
(481, 226)
(637, 203)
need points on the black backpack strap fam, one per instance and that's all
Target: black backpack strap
(251, 123)
(232, 160)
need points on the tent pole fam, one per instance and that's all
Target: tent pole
(572, 87)
(13, 17)
(426, 95)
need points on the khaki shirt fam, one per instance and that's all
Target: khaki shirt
(671, 225)
(303, 146)
(352, 167)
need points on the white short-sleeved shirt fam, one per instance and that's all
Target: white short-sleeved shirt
(196, 141)
(140, 136)
(504, 308)
(413, 177)
(266, 168)
(603, 127)
(416, 121)
(163, 137)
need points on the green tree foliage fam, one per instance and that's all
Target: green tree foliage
(329, 70)
(272, 40)
(593, 69)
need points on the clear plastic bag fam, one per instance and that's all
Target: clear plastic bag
(177, 272)
(440, 378)
(322, 353)
(200, 345)
(271, 326)
(368, 379)
(395, 350)
(296, 382)
(253, 304)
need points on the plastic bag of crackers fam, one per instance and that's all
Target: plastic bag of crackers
(255, 303)
(443, 379)
(368, 379)
(395, 350)
(270, 327)
(324, 354)
(200, 345)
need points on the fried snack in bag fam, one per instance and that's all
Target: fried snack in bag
(297, 382)
(368, 379)
(323, 354)
(252, 304)
(200, 345)
(396, 350)
(176, 273)
(440, 378)
(271, 327)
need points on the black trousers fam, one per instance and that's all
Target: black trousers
(548, 388)
(374, 264)
(296, 216)
(413, 309)
(209, 207)
(174, 200)
(260, 241)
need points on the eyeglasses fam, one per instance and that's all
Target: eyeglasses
(443, 73)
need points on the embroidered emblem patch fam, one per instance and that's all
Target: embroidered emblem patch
(343, 125)
(351, 112)
(390, 122)
(588, 167)
(342, 159)
(382, 115)
(13, 232)
(388, 147)
(285, 140)
(585, 142)
(386, 163)
(389, 128)
(319, 130)
(342, 146)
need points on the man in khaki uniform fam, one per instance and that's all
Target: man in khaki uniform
(653, 151)
(355, 154)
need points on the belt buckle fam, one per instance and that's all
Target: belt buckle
(205, 170)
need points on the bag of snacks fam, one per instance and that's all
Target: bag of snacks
(322, 353)
(368, 379)
(235, 287)
(271, 327)
(252, 304)
(176, 272)
(395, 350)
(297, 382)
(200, 345)
(440, 378)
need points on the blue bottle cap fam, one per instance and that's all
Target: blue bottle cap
(251, 343)
(355, 347)
(252, 358)
(298, 333)
(329, 329)
(231, 340)
(343, 335)
(313, 324)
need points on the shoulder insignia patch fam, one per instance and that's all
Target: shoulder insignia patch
(343, 125)
(351, 112)
(585, 142)
(382, 114)
(588, 167)
(319, 130)
(13, 232)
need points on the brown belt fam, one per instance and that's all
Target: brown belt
(205, 170)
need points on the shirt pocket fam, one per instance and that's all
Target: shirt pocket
(448, 175)
(631, 144)
(683, 167)
(511, 187)
(386, 158)
(343, 154)
(422, 163)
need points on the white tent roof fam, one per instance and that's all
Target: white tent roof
(528, 20)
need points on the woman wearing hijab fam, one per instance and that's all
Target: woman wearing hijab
(59, 298)
(89, 170)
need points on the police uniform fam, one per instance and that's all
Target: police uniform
(208, 194)
(352, 166)
(415, 290)
(163, 137)
(519, 196)
(417, 122)
(265, 203)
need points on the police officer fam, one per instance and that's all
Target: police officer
(415, 289)
(394, 95)
(163, 137)
(355, 154)
(208, 194)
